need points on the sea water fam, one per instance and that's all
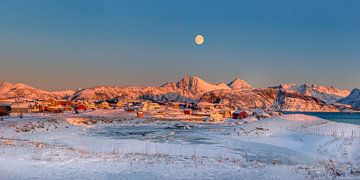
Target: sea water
(341, 117)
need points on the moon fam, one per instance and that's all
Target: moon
(199, 39)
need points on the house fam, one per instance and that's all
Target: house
(21, 108)
(239, 114)
(188, 111)
(216, 115)
(81, 107)
(5, 109)
(67, 106)
(149, 106)
(56, 109)
(35, 107)
(140, 114)
(90, 105)
(204, 106)
(104, 105)
(176, 105)
(120, 104)
(226, 113)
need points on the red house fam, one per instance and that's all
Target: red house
(81, 107)
(187, 111)
(240, 114)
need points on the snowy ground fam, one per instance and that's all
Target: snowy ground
(113, 144)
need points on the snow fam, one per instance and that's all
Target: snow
(353, 99)
(239, 84)
(10, 90)
(286, 147)
(327, 94)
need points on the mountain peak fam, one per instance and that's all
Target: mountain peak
(353, 99)
(195, 85)
(239, 84)
(327, 94)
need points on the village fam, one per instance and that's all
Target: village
(176, 111)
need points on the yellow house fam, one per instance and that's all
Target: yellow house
(120, 104)
(90, 105)
(226, 113)
(104, 105)
(149, 106)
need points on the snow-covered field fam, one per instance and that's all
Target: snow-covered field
(113, 144)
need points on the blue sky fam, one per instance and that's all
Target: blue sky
(65, 44)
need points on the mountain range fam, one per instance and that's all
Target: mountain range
(236, 94)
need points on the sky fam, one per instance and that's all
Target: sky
(71, 44)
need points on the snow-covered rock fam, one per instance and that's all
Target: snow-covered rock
(327, 94)
(268, 98)
(239, 84)
(189, 87)
(10, 90)
(195, 86)
(353, 99)
(294, 101)
(243, 99)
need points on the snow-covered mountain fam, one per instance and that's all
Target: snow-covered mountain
(189, 87)
(295, 101)
(239, 84)
(192, 86)
(268, 98)
(327, 94)
(108, 92)
(10, 90)
(237, 94)
(243, 99)
(353, 99)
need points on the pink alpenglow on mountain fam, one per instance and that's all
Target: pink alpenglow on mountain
(18, 90)
(239, 84)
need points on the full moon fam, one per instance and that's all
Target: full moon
(199, 39)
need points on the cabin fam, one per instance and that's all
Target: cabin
(226, 113)
(204, 106)
(149, 106)
(140, 114)
(35, 107)
(90, 105)
(240, 114)
(21, 108)
(5, 109)
(67, 106)
(120, 104)
(104, 105)
(56, 109)
(81, 107)
(188, 111)
(216, 115)
(176, 105)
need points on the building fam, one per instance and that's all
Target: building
(120, 104)
(21, 108)
(239, 114)
(104, 105)
(5, 109)
(149, 106)
(140, 114)
(226, 113)
(81, 107)
(204, 106)
(90, 105)
(188, 111)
